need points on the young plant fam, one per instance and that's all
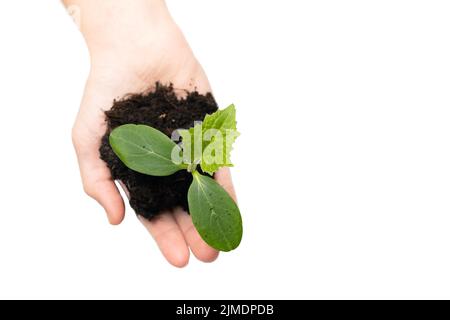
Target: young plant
(206, 145)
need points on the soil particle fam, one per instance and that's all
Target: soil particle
(159, 108)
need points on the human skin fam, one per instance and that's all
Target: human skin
(133, 44)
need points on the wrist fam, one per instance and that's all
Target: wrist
(117, 25)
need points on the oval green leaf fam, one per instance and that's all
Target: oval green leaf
(214, 213)
(144, 149)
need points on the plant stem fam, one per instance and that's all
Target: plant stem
(192, 168)
(195, 174)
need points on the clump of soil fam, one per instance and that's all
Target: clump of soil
(161, 109)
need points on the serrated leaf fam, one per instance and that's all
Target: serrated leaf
(218, 133)
(221, 119)
(144, 149)
(214, 213)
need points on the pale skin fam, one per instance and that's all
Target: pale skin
(132, 44)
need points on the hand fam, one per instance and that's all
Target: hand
(132, 45)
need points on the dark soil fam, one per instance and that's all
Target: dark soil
(163, 110)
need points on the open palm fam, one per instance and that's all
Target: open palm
(166, 58)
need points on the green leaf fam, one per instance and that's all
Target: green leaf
(144, 149)
(192, 144)
(221, 119)
(210, 143)
(214, 213)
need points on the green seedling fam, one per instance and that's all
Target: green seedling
(206, 145)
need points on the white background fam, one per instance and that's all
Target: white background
(342, 169)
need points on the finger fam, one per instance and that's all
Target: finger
(201, 250)
(223, 177)
(169, 238)
(98, 184)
